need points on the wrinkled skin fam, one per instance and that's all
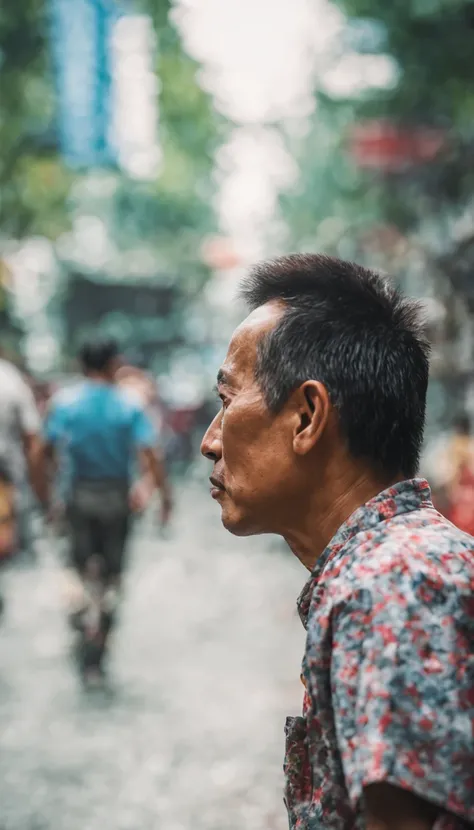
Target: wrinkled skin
(262, 469)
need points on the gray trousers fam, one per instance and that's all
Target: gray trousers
(98, 517)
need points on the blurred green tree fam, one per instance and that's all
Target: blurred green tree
(35, 183)
(431, 43)
(175, 212)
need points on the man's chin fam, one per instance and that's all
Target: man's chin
(238, 523)
(236, 528)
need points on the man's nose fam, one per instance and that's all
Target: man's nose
(211, 446)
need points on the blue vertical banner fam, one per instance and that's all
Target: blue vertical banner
(81, 32)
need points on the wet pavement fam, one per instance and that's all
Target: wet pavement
(205, 667)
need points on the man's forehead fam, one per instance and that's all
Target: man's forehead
(259, 321)
(267, 314)
(242, 349)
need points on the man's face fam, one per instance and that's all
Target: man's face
(254, 477)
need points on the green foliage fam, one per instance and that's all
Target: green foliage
(432, 43)
(188, 123)
(34, 182)
(332, 195)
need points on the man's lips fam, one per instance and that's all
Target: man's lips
(217, 486)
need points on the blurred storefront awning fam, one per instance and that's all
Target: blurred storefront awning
(139, 315)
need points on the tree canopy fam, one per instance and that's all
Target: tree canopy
(34, 181)
(431, 43)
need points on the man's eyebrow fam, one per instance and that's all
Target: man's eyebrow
(223, 379)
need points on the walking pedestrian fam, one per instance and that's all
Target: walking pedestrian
(107, 444)
(323, 395)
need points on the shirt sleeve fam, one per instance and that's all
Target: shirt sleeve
(402, 677)
(143, 431)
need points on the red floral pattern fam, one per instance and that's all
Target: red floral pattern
(388, 668)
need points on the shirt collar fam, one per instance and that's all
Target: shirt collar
(403, 497)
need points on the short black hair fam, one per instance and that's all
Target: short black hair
(96, 354)
(351, 329)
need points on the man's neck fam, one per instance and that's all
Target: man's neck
(327, 512)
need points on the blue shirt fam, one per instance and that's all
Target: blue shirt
(98, 429)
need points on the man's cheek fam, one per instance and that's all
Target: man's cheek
(231, 428)
(236, 442)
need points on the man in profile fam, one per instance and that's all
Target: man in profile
(323, 395)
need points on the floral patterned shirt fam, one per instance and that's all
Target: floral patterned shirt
(388, 668)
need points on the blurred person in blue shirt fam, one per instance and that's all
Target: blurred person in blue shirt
(100, 437)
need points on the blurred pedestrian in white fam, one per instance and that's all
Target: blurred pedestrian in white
(20, 425)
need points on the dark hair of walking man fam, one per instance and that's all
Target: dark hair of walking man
(318, 439)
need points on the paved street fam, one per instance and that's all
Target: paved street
(205, 668)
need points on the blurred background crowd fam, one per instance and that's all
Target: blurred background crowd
(151, 150)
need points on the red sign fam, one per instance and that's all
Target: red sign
(382, 145)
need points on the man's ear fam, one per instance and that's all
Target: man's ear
(313, 407)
